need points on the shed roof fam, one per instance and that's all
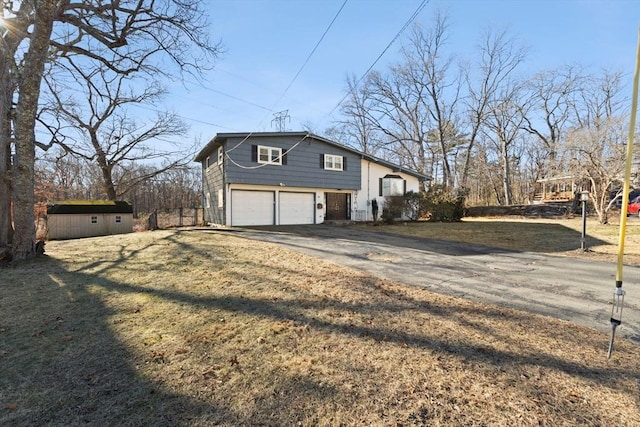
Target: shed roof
(89, 207)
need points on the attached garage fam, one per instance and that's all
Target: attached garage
(296, 208)
(252, 207)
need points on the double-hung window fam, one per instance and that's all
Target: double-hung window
(333, 162)
(269, 155)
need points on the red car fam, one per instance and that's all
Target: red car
(634, 206)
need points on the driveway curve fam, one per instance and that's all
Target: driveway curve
(564, 288)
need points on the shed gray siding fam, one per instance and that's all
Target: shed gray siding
(303, 167)
(213, 182)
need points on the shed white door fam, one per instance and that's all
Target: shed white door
(252, 207)
(297, 208)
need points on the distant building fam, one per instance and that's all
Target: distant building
(73, 219)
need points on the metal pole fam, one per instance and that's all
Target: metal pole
(584, 226)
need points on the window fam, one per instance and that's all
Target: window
(269, 155)
(333, 163)
(392, 185)
(94, 220)
(207, 162)
(118, 219)
(220, 198)
(220, 155)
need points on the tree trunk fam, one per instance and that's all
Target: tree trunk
(5, 155)
(506, 175)
(8, 48)
(24, 236)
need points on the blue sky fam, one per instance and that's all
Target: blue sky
(267, 42)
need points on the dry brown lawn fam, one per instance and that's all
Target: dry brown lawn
(195, 328)
(552, 236)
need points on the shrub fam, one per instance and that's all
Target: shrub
(437, 204)
(394, 207)
(443, 205)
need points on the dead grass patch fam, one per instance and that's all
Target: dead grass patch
(190, 328)
(552, 236)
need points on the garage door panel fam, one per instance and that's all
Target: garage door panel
(252, 207)
(296, 208)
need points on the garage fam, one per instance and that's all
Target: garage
(252, 207)
(296, 208)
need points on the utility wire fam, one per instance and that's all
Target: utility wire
(295, 77)
(267, 164)
(314, 50)
(404, 27)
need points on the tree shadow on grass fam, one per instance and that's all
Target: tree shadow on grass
(63, 365)
(67, 366)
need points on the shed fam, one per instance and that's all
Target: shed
(72, 219)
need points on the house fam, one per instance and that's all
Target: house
(87, 218)
(279, 178)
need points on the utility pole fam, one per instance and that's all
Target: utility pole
(280, 119)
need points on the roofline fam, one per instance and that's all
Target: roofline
(223, 136)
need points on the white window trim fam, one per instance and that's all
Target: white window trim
(386, 189)
(220, 155)
(220, 198)
(270, 152)
(330, 162)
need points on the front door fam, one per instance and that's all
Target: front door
(338, 206)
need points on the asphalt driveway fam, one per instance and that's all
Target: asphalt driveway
(564, 288)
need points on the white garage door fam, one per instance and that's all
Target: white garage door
(252, 207)
(297, 208)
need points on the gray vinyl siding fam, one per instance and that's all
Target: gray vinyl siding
(213, 182)
(302, 169)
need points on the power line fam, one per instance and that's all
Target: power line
(183, 117)
(297, 74)
(314, 49)
(404, 27)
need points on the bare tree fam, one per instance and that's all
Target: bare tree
(399, 111)
(597, 143)
(500, 55)
(357, 129)
(552, 97)
(428, 67)
(502, 127)
(125, 36)
(100, 128)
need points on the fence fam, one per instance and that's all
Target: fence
(168, 218)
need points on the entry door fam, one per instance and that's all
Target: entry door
(338, 206)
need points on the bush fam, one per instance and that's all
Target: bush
(444, 206)
(437, 205)
(394, 207)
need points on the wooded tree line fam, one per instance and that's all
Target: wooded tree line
(66, 70)
(490, 125)
(61, 176)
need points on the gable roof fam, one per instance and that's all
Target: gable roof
(221, 137)
(89, 207)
